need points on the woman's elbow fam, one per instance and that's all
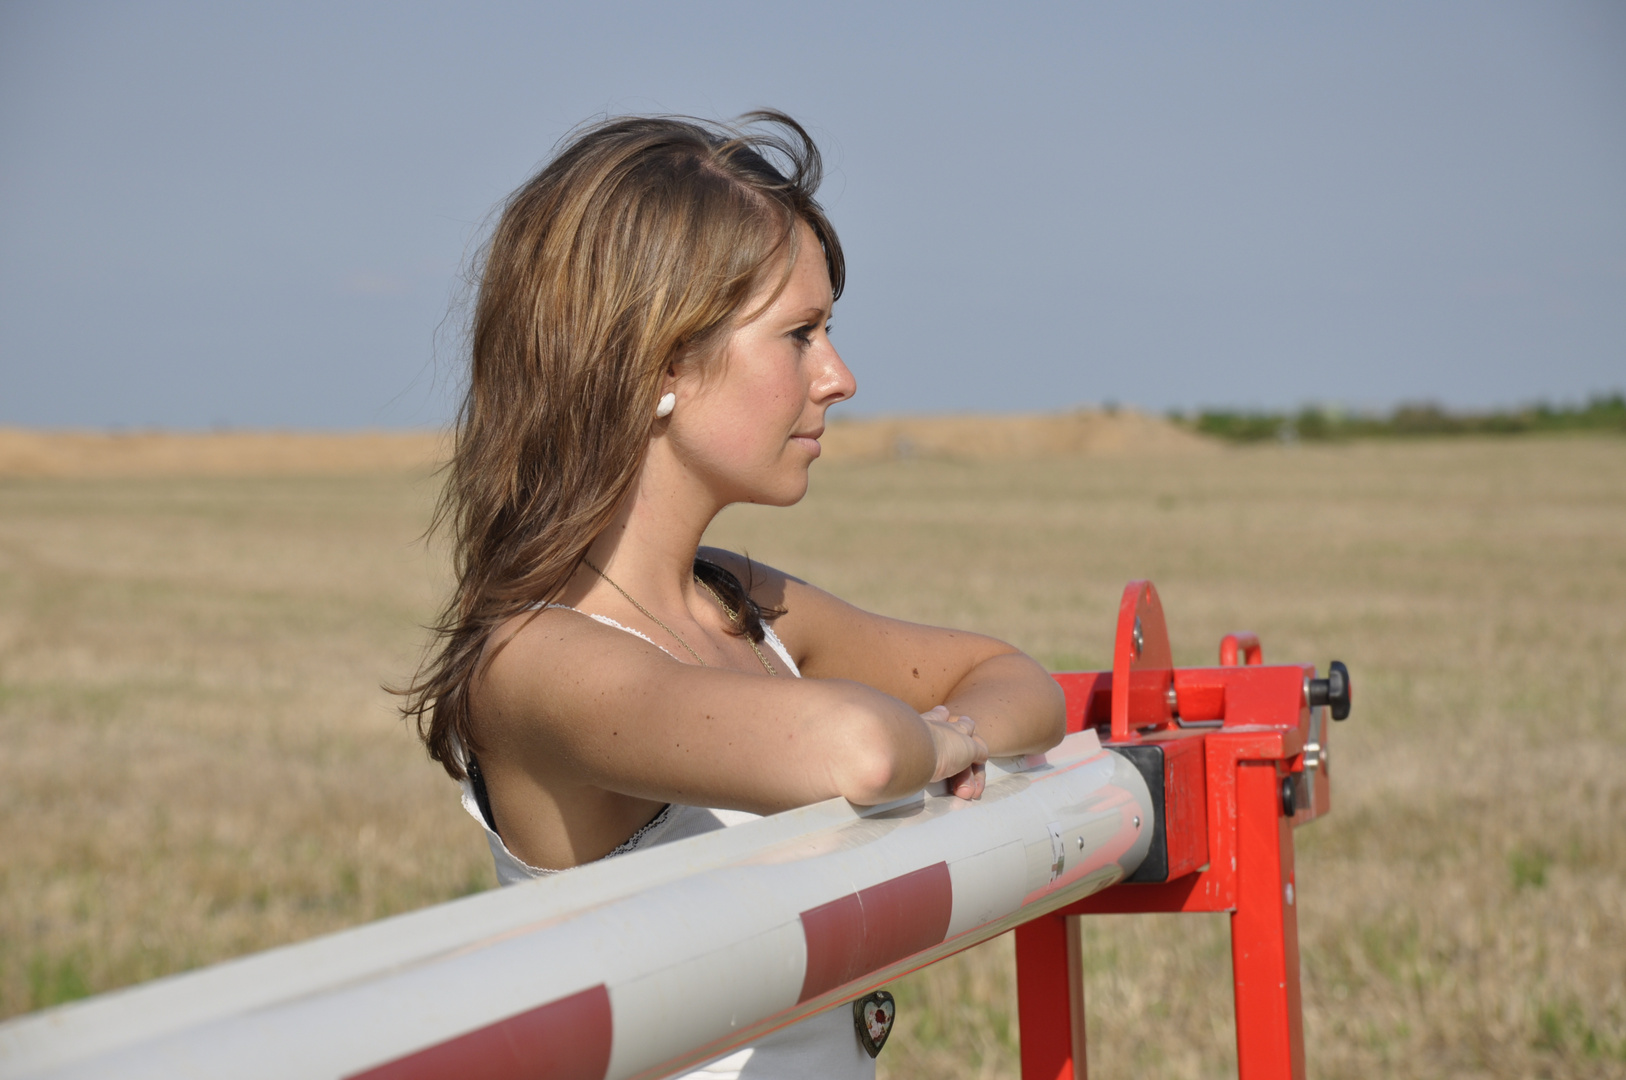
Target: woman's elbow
(1056, 726)
(1045, 723)
(871, 778)
(1052, 722)
(879, 757)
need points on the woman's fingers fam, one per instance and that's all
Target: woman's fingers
(968, 727)
(963, 724)
(971, 783)
(961, 753)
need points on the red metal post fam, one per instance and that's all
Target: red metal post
(1227, 830)
(1050, 999)
(1265, 931)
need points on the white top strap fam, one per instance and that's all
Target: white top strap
(607, 621)
(770, 638)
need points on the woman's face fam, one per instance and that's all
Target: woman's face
(748, 424)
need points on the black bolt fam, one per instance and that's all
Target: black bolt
(1333, 691)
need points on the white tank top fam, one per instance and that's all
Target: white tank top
(822, 1047)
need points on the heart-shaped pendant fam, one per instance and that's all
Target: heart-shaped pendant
(873, 1015)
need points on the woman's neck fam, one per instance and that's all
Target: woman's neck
(650, 545)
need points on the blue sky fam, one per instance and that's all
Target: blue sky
(258, 215)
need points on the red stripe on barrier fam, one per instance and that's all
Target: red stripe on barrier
(874, 927)
(568, 1039)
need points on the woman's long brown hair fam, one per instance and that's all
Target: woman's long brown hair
(636, 248)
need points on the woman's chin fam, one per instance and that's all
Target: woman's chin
(785, 497)
(784, 491)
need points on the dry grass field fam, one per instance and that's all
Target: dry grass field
(198, 761)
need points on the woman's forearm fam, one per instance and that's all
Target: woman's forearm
(1018, 708)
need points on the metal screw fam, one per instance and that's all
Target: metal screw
(1081, 843)
(1289, 892)
(1140, 639)
(1137, 821)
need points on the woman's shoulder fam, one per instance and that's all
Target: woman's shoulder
(556, 674)
(550, 642)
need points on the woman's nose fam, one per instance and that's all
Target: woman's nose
(835, 383)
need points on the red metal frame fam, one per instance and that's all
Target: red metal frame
(1229, 836)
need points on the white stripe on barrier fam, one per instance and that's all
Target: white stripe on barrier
(636, 966)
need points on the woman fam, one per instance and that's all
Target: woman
(651, 344)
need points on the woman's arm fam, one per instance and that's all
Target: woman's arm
(577, 704)
(1017, 707)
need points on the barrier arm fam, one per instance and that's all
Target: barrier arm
(635, 966)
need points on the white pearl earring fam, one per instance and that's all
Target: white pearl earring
(664, 407)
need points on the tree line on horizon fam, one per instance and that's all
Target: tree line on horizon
(1313, 423)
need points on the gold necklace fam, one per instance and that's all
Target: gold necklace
(733, 617)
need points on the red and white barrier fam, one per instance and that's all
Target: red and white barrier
(637, 966)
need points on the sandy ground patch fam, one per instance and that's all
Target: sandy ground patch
(25, 452)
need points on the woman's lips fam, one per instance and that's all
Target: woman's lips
(810, 443)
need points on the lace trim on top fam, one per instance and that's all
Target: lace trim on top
(631, 843)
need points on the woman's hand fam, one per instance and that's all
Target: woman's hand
(961, 755)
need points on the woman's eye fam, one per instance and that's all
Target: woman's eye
(804, 334)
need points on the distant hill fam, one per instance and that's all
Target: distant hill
(1085, 432)
(26, 452)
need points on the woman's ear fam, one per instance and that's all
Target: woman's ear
(694, 362)
(668, 399)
